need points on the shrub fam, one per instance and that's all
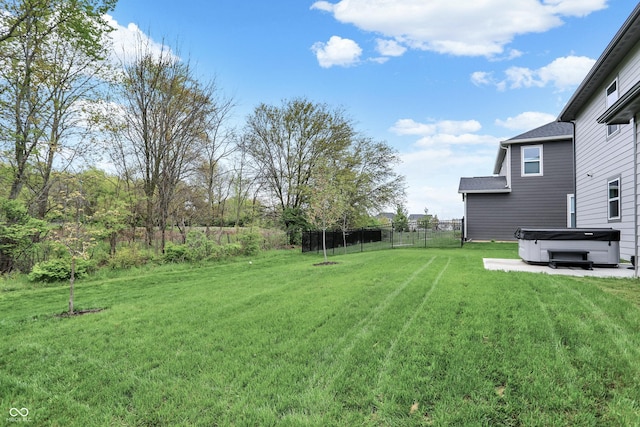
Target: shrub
(199, 246)
(250, 243)
(128, 257)
(175, 253)
(233, 249)
(59, 269)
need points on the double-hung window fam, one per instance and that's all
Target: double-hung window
(531, 160)
(612, 97)
(613, 199)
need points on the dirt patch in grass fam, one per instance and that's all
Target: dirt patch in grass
(80, 312)
(325, 263)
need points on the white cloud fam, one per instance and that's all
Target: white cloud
(390, 47)
(459, 28)
(443, 133)
(442, 153)
(563, 73)
(526, 121)
(337, 51)
(127, 41)
(566, 72)
(433, 175)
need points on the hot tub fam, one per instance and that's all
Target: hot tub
(601, 246)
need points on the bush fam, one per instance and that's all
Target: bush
(128, 257)
(233, 249)
(175, 253)
(59, 269)
(250, 243)
(199, 246)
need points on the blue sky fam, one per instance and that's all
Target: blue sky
(441, 81)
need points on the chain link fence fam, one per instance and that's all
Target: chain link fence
(441, 235)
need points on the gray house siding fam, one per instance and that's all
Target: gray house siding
(488, 217)
(599, 158)
(534, 201)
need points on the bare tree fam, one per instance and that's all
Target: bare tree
(219, 144)
(326, 200)
(165, 113)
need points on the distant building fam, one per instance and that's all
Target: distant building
(532, 186)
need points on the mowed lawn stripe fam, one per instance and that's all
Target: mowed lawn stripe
(370, 337)
(402, 337)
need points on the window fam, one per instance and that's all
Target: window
(612, 97)
(613, 198)
(531, 160)
(571, 210)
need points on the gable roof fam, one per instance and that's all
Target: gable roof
(625, 39)
(484, 184)
(554, 131)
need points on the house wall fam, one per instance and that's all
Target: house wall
(600, 158)
(497, 216)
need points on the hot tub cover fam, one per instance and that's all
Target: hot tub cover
(597, 234)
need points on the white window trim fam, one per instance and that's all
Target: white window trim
(614, 199)
(522, 173)
(610, 99)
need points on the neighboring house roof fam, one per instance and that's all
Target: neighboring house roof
(623, 42)
(554, 131)
(388, 215)
(484, 184)
(416, 217)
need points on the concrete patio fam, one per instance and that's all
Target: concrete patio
(623, 270)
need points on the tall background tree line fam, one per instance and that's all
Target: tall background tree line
(175, 156)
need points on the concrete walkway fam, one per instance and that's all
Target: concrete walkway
(623, 271)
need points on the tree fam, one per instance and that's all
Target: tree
(19, 232)
(74, 235)
(425, 221)
(45, 59)
(165, 114)
(400, 220)
(286, 144)
(218, 145)
(370, 182)
(326, 200)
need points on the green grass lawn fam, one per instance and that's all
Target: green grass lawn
(403, 337)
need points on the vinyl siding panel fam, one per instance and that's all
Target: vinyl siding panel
(600, 158)
(534, 201)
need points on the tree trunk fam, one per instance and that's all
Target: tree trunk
(324, 244)
(71, 283)
(113, 240)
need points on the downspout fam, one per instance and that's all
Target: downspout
(635, 196)
(575, 179)
(464, 231)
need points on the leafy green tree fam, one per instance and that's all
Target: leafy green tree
(294, 220)
(369, 181)
(19, 234)
(286, 144)
(401, 220)
(45, 63)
